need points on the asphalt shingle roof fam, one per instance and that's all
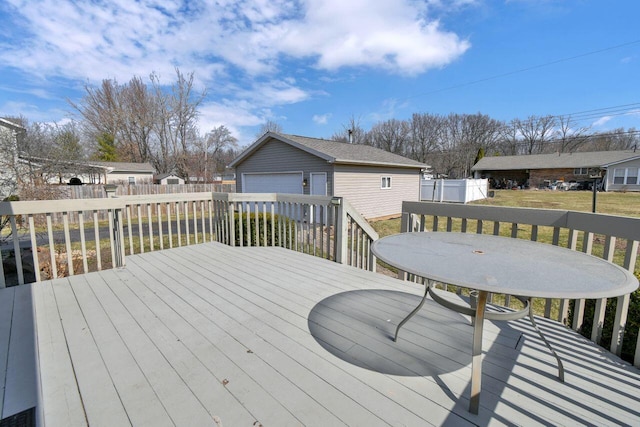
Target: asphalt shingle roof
(125, 166)
(555, 161)
(337, 152)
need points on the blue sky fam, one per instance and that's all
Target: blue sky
(310, 65)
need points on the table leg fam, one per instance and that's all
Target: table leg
(415, 310)
(476, 361)
(533, 322)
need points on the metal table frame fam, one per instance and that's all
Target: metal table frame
(477, 311)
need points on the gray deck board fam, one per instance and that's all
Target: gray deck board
(214, 335)
(57, 377)
(20, 382)
(6, 313)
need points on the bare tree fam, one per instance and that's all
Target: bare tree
(536, 132)
(269, 126)
(183, 104)
(146, 124)
(100, 109)
(352, 132)
(208, 152)
(138, 114)
(391, 135)
(426, 135)
(616, 139)
(569, 136)
(509, 138)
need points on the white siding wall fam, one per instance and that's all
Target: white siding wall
(123, 177)
(627, 168)
(361, 186)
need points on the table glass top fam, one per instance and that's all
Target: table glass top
(504, 265)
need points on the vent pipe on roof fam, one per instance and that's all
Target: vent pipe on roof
(350, 136)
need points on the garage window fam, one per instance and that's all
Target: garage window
(385, 182)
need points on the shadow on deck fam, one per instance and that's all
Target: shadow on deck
(214, 335)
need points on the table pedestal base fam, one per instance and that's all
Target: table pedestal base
(478, 313)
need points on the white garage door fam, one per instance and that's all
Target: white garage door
(285, 183)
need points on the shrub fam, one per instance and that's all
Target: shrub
(282, 225)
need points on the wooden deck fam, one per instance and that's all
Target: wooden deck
(221, 336)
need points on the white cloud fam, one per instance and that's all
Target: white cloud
(389, 35)
(84, 39)
(321, 119)
(242, 50)
(601, 121)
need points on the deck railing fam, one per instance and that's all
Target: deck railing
(35, 248)
(610, 237)
(328, 227)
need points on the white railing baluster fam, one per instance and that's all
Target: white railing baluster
(169, 225)
(83, 244)
(150, 225)
(187, 230)
(160, 233)
(34, 251)
(140, 232)
(96, 234)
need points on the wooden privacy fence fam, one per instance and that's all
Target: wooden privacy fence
(611, 237)
(36, 249)
(82, 192)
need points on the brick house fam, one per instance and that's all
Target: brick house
(619, 169)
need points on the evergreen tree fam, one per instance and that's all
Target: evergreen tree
(106, 148)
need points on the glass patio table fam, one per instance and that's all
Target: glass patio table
(487, 263)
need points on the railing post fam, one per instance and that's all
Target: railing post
(232, 223)
(116, 228)
(341, 234)
(406, 226)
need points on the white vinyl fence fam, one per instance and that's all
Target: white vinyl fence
(453, 190)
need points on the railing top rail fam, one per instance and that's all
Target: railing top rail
(366, 227)
(272, 197)
(618, 226)
(164, 198)
(53, 206)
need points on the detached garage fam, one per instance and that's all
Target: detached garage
(266, 182)
(374, 181)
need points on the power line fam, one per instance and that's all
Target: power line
(618, 110)
(522, 70)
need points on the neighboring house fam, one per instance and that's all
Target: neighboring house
(168, 179)
(619, 169)
(374, 181)
(127, 173)
(94, 172)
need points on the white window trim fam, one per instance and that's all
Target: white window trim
(625, 176)
(383, 180)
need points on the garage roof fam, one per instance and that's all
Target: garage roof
(589, 159)
(333, 152)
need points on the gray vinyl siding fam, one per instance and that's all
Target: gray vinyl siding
(611, 186)
(360, 185)
(276, 156)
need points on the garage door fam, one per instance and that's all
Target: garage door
(285, 183)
